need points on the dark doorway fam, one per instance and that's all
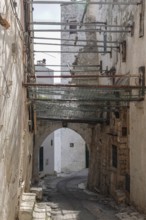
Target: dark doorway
(41, 159)
(87, 157)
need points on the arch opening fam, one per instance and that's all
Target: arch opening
(63, 151)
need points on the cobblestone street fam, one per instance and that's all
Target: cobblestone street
(66, 198)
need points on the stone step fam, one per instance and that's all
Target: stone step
(38, 191)
(26, 206)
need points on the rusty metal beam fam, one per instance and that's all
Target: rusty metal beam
(83, 86)
(80, 30)
(85, 2)
(98, 65)
(76, 45)
(43, 51)
(78, 40)
(67, 23)
(73, 120)
(101, 24)
(66, 71)
(81, 76)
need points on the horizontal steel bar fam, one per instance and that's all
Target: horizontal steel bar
(68, 65)
(77, 45)
(85, 2)
(86, 121)
(88, 103)
(67, 76)
(66, 23)
(101, 24)
(42, 51)
(77, 40)
(66, 71)
(80, 76)
(95, 101)
(84, 86)
(80, 30)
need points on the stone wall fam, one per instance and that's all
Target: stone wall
(130, 149)
(15, 139)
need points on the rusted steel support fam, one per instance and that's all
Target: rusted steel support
(101, 24)
(83, 86)
(89, 51)
(78, 40)
(85, 2)
(74, 120)
(69, 65)
(80, 30)
(81, 76)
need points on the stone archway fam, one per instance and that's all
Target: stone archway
(44, 128)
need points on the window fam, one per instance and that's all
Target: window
(71, 144)
(114, 156)
(127, 182)
(124, 52)
(73, 27)
(124, 131)
(41, 159)
(51, 142)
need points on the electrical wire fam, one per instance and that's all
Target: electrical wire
(17, 18)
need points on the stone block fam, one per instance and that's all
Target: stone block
(26, 206)
(120, 196)
(38, 191)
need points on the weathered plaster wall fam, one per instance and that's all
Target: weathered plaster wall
(15, 140)
(49, 153)
(72, 151)
(134, 59)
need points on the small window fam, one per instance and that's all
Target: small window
(114, 156)
(71, 144)
(124, 52)
(51, 142)
(141, 25)
(117, 114)
(73, 27)
(124, 131)
(127, 182)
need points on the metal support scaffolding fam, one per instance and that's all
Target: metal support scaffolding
(79, 40)
(82, 76)
(85, 2)
(67, 71)
(69, 65)
(77, 45)
(121, 87)
(54, 51)
(80, 30)
(100, 24)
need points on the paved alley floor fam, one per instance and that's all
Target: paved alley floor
(65, 198)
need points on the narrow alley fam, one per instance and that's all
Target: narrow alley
(73, 109)
(65, 197)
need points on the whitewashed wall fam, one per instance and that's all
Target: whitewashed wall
(15, 140)
(72, 151)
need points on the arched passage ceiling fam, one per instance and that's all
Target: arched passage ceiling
(91, 91)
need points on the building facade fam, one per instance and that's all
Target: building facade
(16, 133)
(119, 151)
